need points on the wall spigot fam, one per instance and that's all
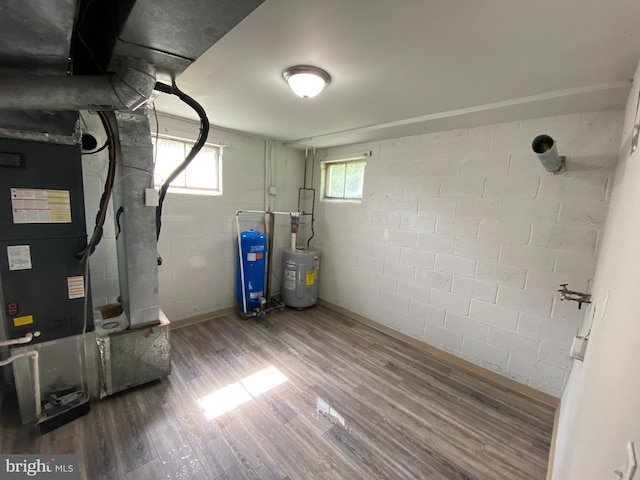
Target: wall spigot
(579, 297)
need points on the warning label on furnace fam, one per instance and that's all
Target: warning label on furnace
(75, 285)
(19, 257)
(40, 206)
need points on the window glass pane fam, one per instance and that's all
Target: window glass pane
(170, 154)
(335, 180)
(202, 172)
(202, 175)
(355, 180)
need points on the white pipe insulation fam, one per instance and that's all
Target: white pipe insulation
(19, 341)
(35, 363)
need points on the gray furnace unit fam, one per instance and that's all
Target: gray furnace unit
(43, 284)
(42, 231)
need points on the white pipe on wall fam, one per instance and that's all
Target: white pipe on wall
(35, 360)
(267, 149)
(262, 211)
(241, 261)
(35, 356)
(19, 341)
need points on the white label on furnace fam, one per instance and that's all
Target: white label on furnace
(251, 257)
(75, 285)
(19, 257)
(40, 206)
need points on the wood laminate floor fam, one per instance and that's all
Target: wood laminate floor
(302, 395)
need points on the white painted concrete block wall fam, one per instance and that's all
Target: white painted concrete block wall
(600, 400)
(198, 238)
(462, 240)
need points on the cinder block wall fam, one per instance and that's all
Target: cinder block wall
(462, 240)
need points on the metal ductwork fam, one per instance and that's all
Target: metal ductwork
(172, 34)
(127, 89)
(167, 34)
(36, 36)
(77, 54)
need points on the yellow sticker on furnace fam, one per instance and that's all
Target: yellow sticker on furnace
(20, 321)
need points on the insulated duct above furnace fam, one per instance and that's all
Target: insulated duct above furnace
(171, 34)
(89, 37)
(127, 89)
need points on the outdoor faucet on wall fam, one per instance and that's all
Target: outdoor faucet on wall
(579, 297)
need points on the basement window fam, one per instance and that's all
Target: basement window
(343, 178)
(203, 176)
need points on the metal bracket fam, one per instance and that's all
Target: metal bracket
(632, 464)
(579, 297)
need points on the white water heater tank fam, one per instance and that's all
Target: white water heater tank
(300, 277)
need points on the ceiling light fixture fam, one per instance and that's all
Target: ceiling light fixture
(306, 81)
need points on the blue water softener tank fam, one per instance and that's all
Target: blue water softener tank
(251, 266)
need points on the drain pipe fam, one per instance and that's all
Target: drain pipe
(244, 292)
(126, 89)
(267, 174)
(35, 362)
(19, 341)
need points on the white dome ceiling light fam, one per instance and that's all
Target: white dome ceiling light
(306, 81)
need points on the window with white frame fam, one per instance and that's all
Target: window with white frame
(203, 176)
(343, 178)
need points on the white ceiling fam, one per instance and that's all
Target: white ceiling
(413, 66)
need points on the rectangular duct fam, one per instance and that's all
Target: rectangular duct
(136, 242)
(170, 35)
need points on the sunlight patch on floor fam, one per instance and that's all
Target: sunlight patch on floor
(232, 396)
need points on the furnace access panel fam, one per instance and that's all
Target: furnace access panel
(42, 230)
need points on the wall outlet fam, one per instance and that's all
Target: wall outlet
(273, 190)
(578, 348)
(151, 197)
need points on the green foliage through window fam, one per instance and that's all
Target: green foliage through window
(344, 180)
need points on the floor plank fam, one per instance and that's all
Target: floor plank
(350, 402)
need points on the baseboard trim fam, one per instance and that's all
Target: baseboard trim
(552, 447)
(465, 365)
(203, 317)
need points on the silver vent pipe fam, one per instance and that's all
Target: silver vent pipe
(126, 89)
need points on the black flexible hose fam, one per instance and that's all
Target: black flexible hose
(106, 194)
(202, 138)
